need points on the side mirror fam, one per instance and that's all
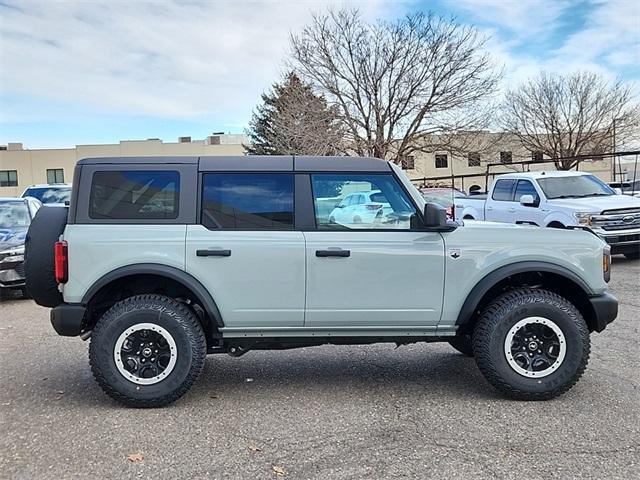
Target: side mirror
(527, 201)
(618, 191)
(434, 215)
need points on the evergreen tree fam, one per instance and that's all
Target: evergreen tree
(292, 120)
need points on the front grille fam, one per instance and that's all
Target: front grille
(624, 219)
(20, 269)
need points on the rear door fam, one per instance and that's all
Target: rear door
(382, 272)
(501, 207)
(245, 250)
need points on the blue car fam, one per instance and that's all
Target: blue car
(15, 218)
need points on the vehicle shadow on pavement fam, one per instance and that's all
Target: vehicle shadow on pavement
(423, 370)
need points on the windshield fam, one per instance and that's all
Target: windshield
(49, 195)
(14, 214)
(580, 186)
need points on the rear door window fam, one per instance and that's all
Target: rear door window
(503, 190)
(135, 194)
(247, 201)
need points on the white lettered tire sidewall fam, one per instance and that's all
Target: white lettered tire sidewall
(501, 316)
(177, 320)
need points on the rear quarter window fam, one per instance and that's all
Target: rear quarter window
(135, 194)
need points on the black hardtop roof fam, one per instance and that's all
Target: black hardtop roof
(285, 163)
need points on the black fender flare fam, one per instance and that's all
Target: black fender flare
(201, 293)
(488, 281)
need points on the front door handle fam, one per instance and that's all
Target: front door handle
(213, 252)
(333, 253)
(512, 210)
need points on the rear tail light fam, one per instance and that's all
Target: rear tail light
(374, 206)
(451, 212)
(61, 262)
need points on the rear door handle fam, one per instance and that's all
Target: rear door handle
(512, 210)
(333, 253)
(213, 252)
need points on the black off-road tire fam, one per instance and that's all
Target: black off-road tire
(501, 315)
(39, 265)
(167, 313)
(463, 343)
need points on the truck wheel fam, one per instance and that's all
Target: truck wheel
(531, 344)
(463, 344)
(147, 351)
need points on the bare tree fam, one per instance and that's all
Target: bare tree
(565, 116)
(294, 120)
(401, 87)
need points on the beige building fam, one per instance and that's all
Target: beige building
(21, 167)
(499, 148)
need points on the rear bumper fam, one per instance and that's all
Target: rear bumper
(67, 319)
(605, 308)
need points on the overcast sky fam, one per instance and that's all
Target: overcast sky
(77, 72)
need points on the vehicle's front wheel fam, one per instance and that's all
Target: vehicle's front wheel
(531, 344)
(147, 351)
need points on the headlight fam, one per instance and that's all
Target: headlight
(584, 218)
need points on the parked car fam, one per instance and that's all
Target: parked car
(362, 209)
(560, 200)
(15, 218)
(160, 263)
(445, 197)
(49, 195)
(627, 188)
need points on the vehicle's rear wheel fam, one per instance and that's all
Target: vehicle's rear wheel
(632, 255)
(463, 343)
(531, 344)
(147, 351)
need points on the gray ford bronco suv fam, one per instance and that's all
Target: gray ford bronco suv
(160, 261)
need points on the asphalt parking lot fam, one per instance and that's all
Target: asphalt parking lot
(421, 411)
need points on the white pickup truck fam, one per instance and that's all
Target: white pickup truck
(560, 200)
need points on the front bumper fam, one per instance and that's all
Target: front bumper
(621, 241)
(67, 319)
(12, 272)
(605, 309)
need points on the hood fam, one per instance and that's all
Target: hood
(596, 204)
(12, 238)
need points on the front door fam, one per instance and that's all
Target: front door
(245, 250)
(380, 272)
